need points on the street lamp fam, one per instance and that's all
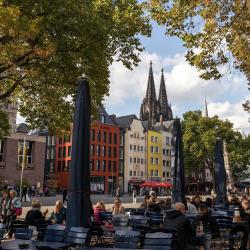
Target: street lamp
(23, 165)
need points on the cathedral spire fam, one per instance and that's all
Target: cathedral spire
(205, 112)
(163, 99)
(151, 94)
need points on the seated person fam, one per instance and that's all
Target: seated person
(209, 223)
(196, 201)
(144, 204)
(59, 215)
(35, 214)
(191, 209)
(100, 207)
(245, 209)
(153, 206)
(117, 208)
(176, 220)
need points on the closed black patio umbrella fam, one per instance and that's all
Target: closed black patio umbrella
(178, 190)
(220, 174)
(79, 205)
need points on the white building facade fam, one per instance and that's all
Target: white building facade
(135, 156)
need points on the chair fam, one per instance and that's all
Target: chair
(3, 231)
(23, 233)
(155, 218)
(41, 228)
(77, 236)
(158, 240)
(54, 233)
(126, 239)
(120, 220)
(139, 223)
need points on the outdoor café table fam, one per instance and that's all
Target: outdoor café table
(14, 244)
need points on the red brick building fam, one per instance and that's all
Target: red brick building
(104, 156)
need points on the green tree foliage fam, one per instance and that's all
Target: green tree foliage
(215, 32)
(45, 46)
(199, 136)
(4, 124)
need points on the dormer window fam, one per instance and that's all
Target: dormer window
(103, 119)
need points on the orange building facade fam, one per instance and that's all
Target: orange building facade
(104, 157)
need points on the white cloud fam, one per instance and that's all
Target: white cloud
(185, 89)
(233, 112)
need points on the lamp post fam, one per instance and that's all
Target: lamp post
(23, 165)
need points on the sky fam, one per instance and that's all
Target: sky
(185, 90)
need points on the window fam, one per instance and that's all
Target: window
(98, 150)
(164, 174)
(134, 173)
(59, 152)
(168, 163)
(64, 167)
(130, 160)
(138, 160)
(121, 168)
(134, 160)
(167, 152)
(98, 165)
(134, 147)
(48, 154)
(131, 136)
(167, 174)
(156, 161)
(152, 160)
(141, 161)
(59, 163)
(52, 153)
(92, 149)
(130, 147)
(142, 138)
(138, 148)
(157, 149)
(27, 152)
(53, 140)
(103, 151)
(103, 119)
(167, 140)
(64, 151)
(93, 134)
(130, 173)
(151, 172)
(109, 138)
(109, 151)
(114, 166)
(103, 166)
(99, 135)
(121, 140)
(69, 151)
(115, 152)
(164, 163)
(142, 148)
(60, 140)
(164, 151)
(68, 165)
(156, 139)
(51, 168)
(104, 136)
(121, 153)
(115, 138)
(109, 166)
(152, 138)
(1, 150)
(92, 164)
(141, 174)
(152, 149)
(156, 172)
(49, 141)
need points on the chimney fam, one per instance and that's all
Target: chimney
(161, 120)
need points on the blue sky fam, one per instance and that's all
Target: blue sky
(185, 89)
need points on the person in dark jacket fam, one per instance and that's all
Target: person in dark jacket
(3, 206)
(209, 223)
(24, 193)
(65, 194)
(176, 220)
(59, 215)
(35, 214)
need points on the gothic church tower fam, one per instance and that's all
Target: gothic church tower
(151, 108)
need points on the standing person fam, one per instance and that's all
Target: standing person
(134, 196)
(3, 206)
(24, 193)
(58, 216)
(14, 209)
(65, 193)
(118, 192)
(33, 190)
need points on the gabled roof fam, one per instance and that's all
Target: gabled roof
(125, 121)
(167, 124)
(145, 125)
(22, 128)
(103, 112)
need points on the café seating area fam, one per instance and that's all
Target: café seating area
(133, 230)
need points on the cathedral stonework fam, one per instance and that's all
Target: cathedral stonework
(151, 108)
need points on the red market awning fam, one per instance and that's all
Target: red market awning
(154, 184)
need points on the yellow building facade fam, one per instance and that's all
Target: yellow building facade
(154, 155)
